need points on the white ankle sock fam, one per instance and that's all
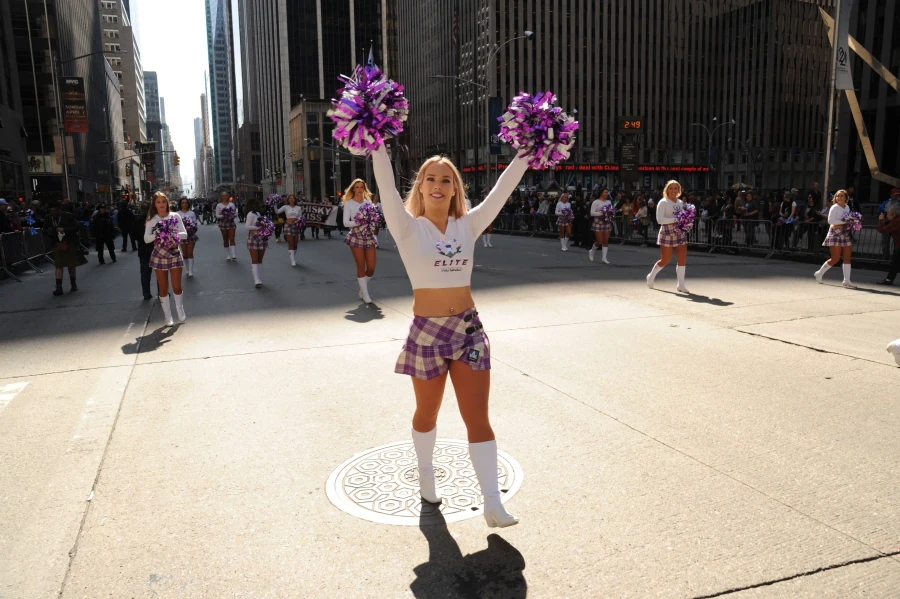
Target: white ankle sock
(679, 271)
(656, 270)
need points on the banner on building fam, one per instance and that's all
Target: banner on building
(843, 77)
(74, 105)
(319, 214)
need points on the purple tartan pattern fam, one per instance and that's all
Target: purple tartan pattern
(255, 242)
(358, 238)
(565, 219)
(166, 258)
(292, 229)
(227, 225)
(670, 237)
(435, 342)
(601, 225)
(838, 237)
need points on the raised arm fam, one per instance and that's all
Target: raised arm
(484, 214)
(400, 222)
(282, 210)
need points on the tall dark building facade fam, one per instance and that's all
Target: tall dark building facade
(222, 88)
(669, 64)
(13, 157)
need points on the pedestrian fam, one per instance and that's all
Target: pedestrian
(889, 224)
(446, 337)
(602, 213)
(894, 200)
(144, 251)
(166, 259)
(125, 221)
(225, 215)
(104, 232)
(257, 239)
(671, 238)
(61, 233)
(838, 240)
(293, 225)
(327, 201)
(191, 224)
(564, 218)
(361, 238)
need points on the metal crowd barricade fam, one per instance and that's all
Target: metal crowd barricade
(33, 246)
(12, 253)
(84, 236)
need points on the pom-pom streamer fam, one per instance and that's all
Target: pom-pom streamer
(369, 110)
(540, 131)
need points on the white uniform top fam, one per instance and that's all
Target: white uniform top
(560, 206)
(665, 211)
(436, 260)
(351, 209)
(598, 205)
(290, 213)
(252, 217)
(836, 215)
(220, 207)
(189, 214)
(150, 236)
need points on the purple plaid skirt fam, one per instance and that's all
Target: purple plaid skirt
(564, 220)
(670, 237)
(225, 225)
(192, 238)
(601, 225)
(359, 237)
(838, 237)
(292, 229)
(255, 242)
(164, 258)
(435, 342)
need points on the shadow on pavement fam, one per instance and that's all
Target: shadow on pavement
(701, 299)
(150, 342)
(494, 572)
(364, 313)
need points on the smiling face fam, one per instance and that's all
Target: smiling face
(841, 198)
(437, 188)
(162, 205)
(672, 191)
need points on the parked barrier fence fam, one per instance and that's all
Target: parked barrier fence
(21, 247)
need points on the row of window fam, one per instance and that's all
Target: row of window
(111, 33)
(108, 4)
(114, 19)
(112, 47)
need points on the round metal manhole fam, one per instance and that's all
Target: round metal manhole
(382, 484)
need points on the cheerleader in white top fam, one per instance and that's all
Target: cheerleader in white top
(565, 216)
(361, 238)
(226, 213)
(838, 240)
(671, 238)
(165, 230)
(295, 223)
(601, 224)
(191, 225)
(259, 229)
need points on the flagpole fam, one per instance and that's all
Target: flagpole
(831, 92)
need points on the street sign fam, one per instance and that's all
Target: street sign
(630, 162)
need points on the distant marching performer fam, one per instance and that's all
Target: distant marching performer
(565, 218)
(436, 235)
(165, 230)
(191, 224)
(260, 229)
(361, 217)
(675, 220)
(604, 212)
(226, 213)
(843, 221)
(295, 224)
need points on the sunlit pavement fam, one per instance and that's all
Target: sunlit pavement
(740, 442)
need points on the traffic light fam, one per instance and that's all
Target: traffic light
(128, 169)
(177, 160)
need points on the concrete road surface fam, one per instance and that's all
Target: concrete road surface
(741, 442)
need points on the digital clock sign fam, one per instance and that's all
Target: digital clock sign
(631, 125)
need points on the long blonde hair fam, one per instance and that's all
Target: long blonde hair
(414, 204)
(348, 193)
(153, 212)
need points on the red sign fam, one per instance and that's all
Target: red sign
(74, 105)
(673, 169)
(602, 168)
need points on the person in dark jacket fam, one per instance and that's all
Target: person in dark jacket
(125, 220)
(144, 250)
(61, 233)
(889, 224)
(104, 232)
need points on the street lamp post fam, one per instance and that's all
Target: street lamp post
(711, 133)
(747, 149)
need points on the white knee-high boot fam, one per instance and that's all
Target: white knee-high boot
(179, 307)
(167, 309)
(233, 251)
(292, 254)
(364, 289)
(651, 278)
(603, 255)
(847, 268)
(680, 271)
(424, 444)
(484, 460)
(821, 272)
(255, 269)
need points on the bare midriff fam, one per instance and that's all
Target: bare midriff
(436, 303)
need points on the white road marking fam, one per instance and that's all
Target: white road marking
(128, 330)
(8, 392)
(533, 254)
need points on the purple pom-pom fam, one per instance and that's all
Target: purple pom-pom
(854, 222)
(684, 218)
(167, 232)
(368, 218)
(566, 217)
(608, 213)
(190, 225)
(542, 133)
(264, 227)
(228, 214)
(273, 200)
(370, 109)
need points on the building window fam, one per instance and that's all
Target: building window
(108, 4)
(110, 19)
(111, 33)
(112, 48)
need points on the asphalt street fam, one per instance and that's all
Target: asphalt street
(740, 442)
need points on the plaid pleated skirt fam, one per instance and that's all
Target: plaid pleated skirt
(255, 242)
(838, 237)
(192, 237)
(601, 225)
(292, 229)
(433, 343)
(225, 225)
(163, 258)
(360, 237)
(564, 220)
(670, 237)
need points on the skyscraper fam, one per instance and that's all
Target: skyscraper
(155, 168)
(223, 95)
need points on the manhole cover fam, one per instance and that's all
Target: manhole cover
(382, 484)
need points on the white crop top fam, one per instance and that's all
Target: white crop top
(189, 214)
(288, 212)
(598, 205)
(351, 209)
(665, 211)
(252, 217)
(436, 260)
(220, 207)
(150, 236)
(560, 206)
(836, 215)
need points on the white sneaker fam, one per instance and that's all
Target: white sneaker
(366, 299)
(490, 245)
(484, 241)
(818, 275)
(682, 289)
(605, 261)
(496, 515)
(591, 254)
(649, 282)
(848, 285)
